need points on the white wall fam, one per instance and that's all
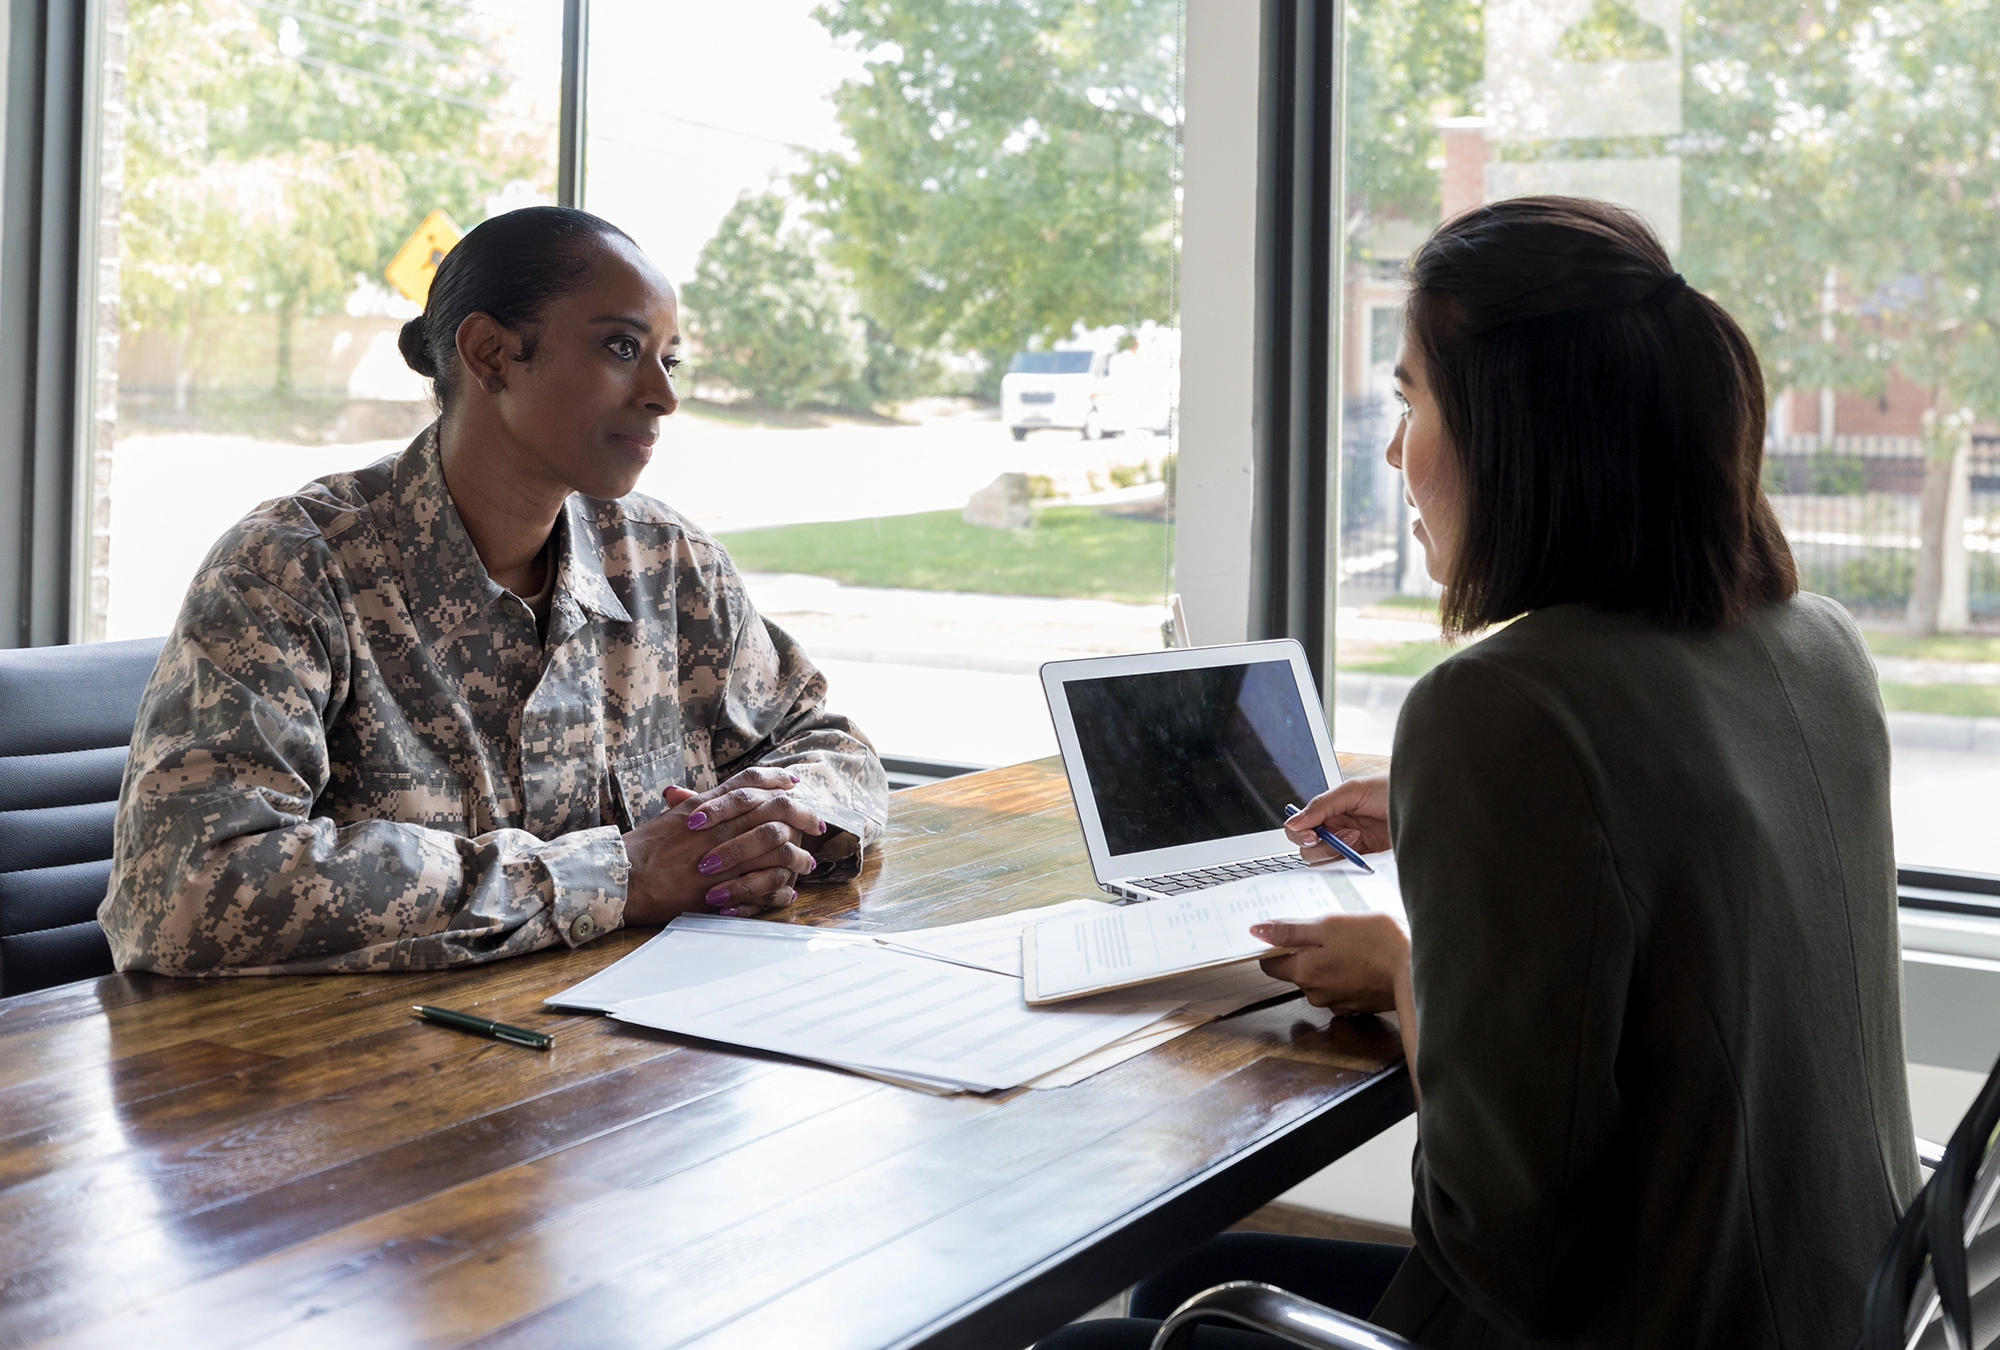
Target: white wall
(1218, 318)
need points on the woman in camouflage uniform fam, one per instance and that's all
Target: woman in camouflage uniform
(475, 699)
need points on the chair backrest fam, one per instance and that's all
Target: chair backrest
(66, 716)
(1938, 1282)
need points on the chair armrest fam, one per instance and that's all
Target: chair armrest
(1929, 1154)
(1266, 1308)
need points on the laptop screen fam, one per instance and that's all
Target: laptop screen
(1185, 756)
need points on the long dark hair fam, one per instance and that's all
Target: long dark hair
(510, 267)
(1608, 420)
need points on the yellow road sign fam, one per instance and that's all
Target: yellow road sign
(416, 262)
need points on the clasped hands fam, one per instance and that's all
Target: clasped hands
(1347, 963)
(737, 849)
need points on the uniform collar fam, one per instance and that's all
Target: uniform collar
(446, 584)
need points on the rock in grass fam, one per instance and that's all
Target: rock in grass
(1002, 504)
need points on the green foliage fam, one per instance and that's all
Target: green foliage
(1073, 552)
(1410, 62)
(1858, 138)
(272, 158)
(1012, 169)
(1613, 31)
(767, 315)
(1868, 577)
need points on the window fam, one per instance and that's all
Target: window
(262, 163)
(1823, 171)
(926, 256)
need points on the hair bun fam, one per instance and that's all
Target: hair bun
(416, 351)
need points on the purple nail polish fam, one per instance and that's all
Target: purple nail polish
(718, 896)
(710, 864)
(731, 913)
(697, 820)
(795, 778)
(822, 828)
(812, 864)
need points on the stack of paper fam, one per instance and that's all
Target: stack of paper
(1134, 947)
(940, 1009)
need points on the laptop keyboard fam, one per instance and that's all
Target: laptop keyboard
(1201, 878)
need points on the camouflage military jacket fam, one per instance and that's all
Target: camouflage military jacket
(359, 753)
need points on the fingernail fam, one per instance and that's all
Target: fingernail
(717, 896)
(710, 864)
(812, 864)
(821, 829)
(730, 913)
(697, 820)
(795, 778)
(1259, 929)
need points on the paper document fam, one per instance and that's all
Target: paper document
(892, 1013)
(1076, 955)
(694, 949)
(1116, 1053)
(986, 944)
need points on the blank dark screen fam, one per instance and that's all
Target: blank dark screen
(1183, 756)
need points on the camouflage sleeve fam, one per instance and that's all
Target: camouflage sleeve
(774, 714)
(220, 866)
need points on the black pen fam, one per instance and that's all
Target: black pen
(1332, 840)
(479, 1026)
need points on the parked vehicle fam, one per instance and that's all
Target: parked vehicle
(1052, 389)
(1098, 390)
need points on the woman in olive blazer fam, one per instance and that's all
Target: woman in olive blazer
(1650, 991)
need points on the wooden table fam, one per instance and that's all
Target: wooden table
(295, 1160)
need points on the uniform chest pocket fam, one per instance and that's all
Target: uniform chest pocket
(638, 786)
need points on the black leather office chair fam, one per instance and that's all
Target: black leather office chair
(1937, 1286)
(66, 717)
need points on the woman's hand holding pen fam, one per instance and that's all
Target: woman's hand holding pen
(734, 849)
(1357, 811)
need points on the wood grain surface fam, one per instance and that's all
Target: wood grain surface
(296, 1161)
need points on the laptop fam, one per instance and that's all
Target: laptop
(1182, 762)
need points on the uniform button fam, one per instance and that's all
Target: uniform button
(582, 928)
(516, 608)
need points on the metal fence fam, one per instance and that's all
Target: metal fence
(1849, 508)
(1375, 540)
(1851, 511)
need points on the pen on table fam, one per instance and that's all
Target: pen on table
(1333, 841)
(480, 1026)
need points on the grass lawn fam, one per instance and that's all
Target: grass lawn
(1073, 552)
(1960, 700)
(1391, 658)
(1959, 647)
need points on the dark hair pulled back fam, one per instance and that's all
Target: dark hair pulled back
(509, 267)
(1607, 419)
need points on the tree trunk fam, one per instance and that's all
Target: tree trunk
(286, 310)
(1938, 589)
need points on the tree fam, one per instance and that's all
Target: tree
(1409, 63)
(1842, 204)
(1012, 168)
(274, 155)
(767, 314)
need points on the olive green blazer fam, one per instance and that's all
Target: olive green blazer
(1652, 899)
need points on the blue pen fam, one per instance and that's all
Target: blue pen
(1332, 841)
